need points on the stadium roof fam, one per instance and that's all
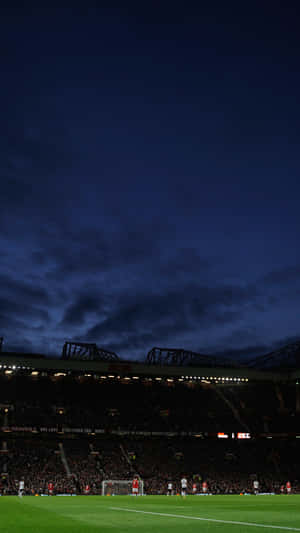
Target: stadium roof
(279, 365)
(27, 363)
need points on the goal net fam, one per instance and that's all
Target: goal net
(118, 487)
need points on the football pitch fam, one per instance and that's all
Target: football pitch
(158, 514)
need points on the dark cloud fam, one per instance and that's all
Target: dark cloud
(9, 323)
(14, 191)
(91, 251)
(160, 317)
(244, 354)
(86, 252)
(247, 352)
(185, 261)
(77, 312)
(36, 152)
(35, 149)
(77, 293)
(23, 309)
(283, 276)
(22, 292)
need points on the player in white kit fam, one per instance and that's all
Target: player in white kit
(170, 489)
(21, 488)
(255, 486)
(183, 486)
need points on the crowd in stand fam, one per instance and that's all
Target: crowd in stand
(227, 468)
(161, 406)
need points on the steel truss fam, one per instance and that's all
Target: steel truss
(178, 357)
(87, 351)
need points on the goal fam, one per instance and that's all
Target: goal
(117, 487)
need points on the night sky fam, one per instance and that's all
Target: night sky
(150, 177)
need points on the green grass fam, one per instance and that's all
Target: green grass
(94, 513)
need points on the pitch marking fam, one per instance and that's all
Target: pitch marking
(252, 524)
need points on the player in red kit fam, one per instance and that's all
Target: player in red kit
(204, 487)
(87, 489)
(288, 487)
(50, 489)
(194, 488)
(135, 486)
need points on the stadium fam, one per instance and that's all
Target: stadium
(89, 423)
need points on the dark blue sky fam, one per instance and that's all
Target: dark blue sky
(150, 177)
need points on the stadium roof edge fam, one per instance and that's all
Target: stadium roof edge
(142, 369)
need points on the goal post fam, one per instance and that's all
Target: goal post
(118, 487)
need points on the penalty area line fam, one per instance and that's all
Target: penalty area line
(186, 517)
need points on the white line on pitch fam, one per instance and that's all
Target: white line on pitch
(252, 524)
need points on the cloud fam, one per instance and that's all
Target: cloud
(185, 261)
(74, 251)
(24, 311)
(141, 320)
(85, 283)
(76, 313)
(20, 291)
(244, 353)
(283, 276)
(36, 153)
(26, 314)
(32, 148)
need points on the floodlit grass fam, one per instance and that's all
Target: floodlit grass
(156, 514)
